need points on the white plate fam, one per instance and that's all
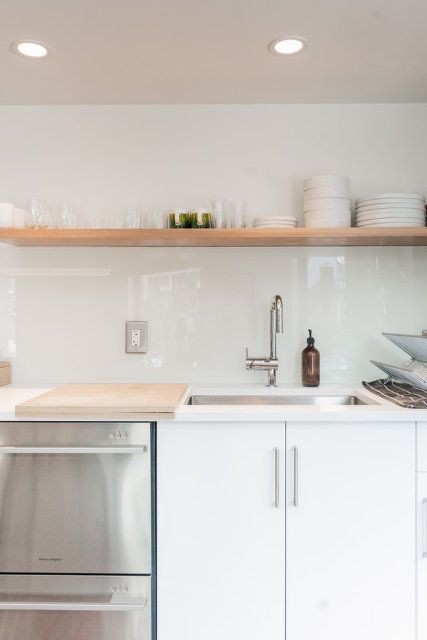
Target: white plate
(388, 200)
(415, 202)
(376, 196)
(389, 224)
(403, 222)
(418, 206)
(390, 216)
(392, 211)
(327, 181)
(390, 219)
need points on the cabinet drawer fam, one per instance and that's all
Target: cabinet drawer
(421, 446)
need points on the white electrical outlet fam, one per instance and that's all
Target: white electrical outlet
(136, 337)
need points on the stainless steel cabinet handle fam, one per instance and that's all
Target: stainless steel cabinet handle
(295, 472)
(276, 477)
(124, 449)
(424, 527)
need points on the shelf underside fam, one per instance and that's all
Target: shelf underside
(301, 237)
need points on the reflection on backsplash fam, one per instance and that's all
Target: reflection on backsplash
(170, 302)
(204, 306)
(7, 318)
(326, 281)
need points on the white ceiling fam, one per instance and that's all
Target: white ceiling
(214, 51)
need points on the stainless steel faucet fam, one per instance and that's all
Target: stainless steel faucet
(270, 364)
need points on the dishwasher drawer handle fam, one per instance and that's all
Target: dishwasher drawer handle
(135, 605)
(93, 450)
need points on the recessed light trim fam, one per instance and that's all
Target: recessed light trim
(30, 49)
(287, 45)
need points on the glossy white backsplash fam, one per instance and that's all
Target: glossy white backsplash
(204, 306)
(64, 310)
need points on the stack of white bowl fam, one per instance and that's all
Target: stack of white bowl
(391, 210)
(275, 222)
(327, 201)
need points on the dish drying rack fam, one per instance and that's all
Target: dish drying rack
(413, 372)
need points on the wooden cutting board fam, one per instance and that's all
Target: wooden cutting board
(146, 401)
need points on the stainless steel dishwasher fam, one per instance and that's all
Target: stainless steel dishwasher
(77, 531)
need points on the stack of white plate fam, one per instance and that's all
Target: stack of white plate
(276, 222)
(327, 201)
(391, 210)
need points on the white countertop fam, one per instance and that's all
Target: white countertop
(381, 410)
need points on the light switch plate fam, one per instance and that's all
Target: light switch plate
(136, 336)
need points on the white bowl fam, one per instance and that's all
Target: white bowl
(7, 211)
(276, 219)
(327, 181)
(274, 226)
(326, 203)
(20, 218)
(326, 192)
(332, 213)
(326, 220)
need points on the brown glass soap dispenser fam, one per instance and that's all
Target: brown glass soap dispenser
(310, 363)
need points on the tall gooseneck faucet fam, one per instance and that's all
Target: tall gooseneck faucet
(270, 364)
(276, 326)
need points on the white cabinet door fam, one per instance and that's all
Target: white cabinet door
(221, 539)
(422, 556)
(351, 535)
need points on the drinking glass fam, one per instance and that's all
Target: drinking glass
(133, 219)
(236, 214)
(38, 213)
(218, 210)
(153, 220)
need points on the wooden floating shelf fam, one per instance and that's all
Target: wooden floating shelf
(300, 237)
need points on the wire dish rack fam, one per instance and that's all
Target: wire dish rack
(401, 393)
(413, 372)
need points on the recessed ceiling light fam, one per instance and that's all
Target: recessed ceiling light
(30, 49)
(287, 46)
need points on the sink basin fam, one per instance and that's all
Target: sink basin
(279, 400)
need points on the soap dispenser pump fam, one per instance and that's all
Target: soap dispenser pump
(310, 363)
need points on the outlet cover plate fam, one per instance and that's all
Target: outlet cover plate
(136, 336)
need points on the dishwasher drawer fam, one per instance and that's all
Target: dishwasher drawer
(75, 498)
(71, 607)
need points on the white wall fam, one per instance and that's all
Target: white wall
(205, 305)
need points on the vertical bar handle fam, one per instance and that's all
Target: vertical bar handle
(295, 472)
(424, 527)
(276, 478)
